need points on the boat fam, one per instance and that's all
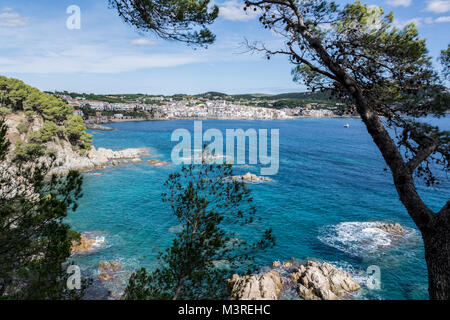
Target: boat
(347, 126)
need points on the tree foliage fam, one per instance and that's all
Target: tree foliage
(445, 61)
(181, 20)
(58, 117)
(34, 242)
(213, 211)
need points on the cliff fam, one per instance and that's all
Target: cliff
(41, 124)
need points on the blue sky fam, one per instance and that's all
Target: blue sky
(108, 56)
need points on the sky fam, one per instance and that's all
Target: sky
(108, 56)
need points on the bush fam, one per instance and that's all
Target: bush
(23, 126)
(76, 132)
(25, 151)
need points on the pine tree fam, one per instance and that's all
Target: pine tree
(214, 211)
(35, 243)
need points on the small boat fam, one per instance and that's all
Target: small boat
(347, 126)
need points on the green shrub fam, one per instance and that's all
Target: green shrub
(4, 111)
(25, 151)
(76, 132)
(23, 126)
(73, 235)
(48, 131)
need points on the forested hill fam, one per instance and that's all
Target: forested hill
(39, 118)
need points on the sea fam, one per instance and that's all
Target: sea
(331, 189)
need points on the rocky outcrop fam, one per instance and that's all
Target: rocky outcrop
(109, 266)
(394, 228)
(94, 126)
(158, 163)
(107, 270)
(67, 159)
(87, 244)
(250, 177)
(312, 281)
(264, 287)
(83, 245)
(322, 282)
(105, 277)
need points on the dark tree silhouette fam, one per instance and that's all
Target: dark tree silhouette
(213, 210)
(35, 244)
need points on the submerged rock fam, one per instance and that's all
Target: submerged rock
(158, 163)
(95, 126)
(323, 282)
(265, 287)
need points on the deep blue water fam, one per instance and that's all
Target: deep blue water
(330, 184)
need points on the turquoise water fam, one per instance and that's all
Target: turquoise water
(331, 184)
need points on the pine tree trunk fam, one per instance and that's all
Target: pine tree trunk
(437, 255)
(435, 227)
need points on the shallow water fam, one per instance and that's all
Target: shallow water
(331, 184)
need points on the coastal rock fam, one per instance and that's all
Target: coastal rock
(276, 264)
(67, 159)
(105, 277)
(250, 177)
(322, 282)
(265, 287)
(95, 126)
(109, 266)
(158, 163)
(394, 228)
(84, 245)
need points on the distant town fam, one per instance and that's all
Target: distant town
(101, 109)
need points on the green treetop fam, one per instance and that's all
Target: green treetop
(58, 116)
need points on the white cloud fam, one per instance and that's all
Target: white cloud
(438, 6)
(90, 59)
(11, 19)
(430, 20)
(398, 3)
(234, 11)
(442, 19)
(142, 42)
(401, 24)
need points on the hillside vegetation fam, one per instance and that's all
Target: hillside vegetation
(56, 117)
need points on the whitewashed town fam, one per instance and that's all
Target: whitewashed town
(191, 107)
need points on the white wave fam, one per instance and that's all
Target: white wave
(99, 241)
(360, 239)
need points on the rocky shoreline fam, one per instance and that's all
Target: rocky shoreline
(67, 159)
(95, 126)
(312, 281)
